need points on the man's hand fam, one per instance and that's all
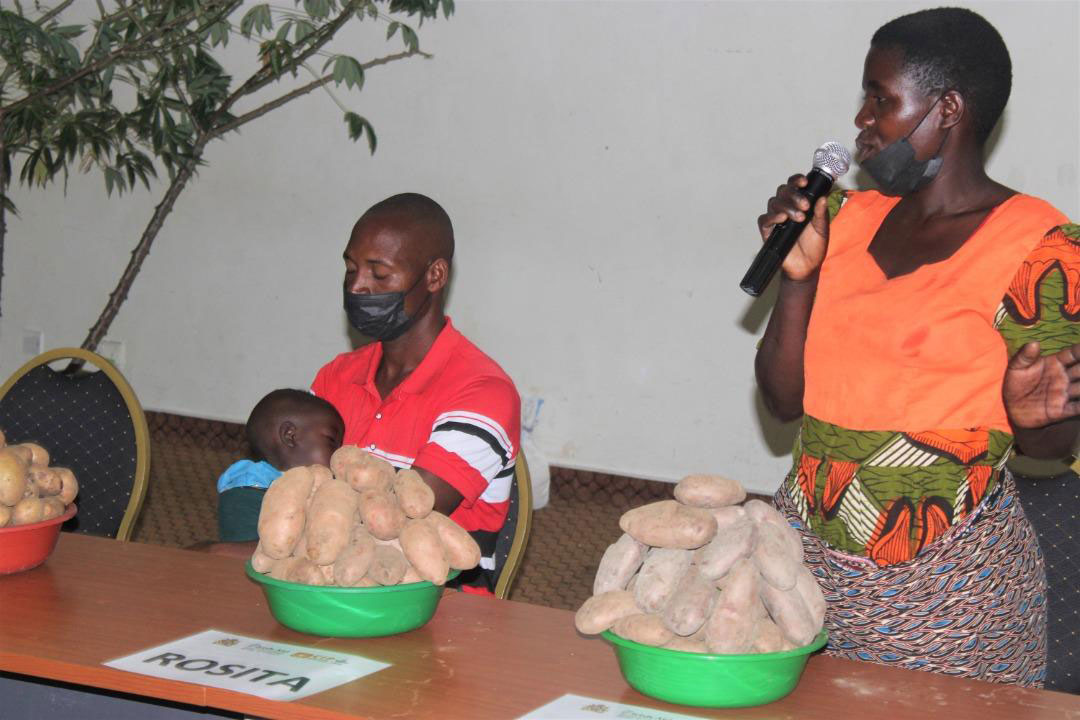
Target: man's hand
(1039, 391)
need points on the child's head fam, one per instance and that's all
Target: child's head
(288, 428)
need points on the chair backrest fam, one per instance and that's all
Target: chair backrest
(90, 422)
(510, 546)
(1050, 505)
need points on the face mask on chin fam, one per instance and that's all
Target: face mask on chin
(895, 169)
(381, 316)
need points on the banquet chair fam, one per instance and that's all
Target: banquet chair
(1050, 503)
(510, 546)
(89, 421)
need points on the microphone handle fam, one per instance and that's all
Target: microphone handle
(782, 238)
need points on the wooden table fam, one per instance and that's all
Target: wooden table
(95, 600)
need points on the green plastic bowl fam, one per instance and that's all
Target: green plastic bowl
(349, 611)
(701, 680)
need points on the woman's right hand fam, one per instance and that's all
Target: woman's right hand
(808, 252)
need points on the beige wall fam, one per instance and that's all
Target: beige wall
(603, 163)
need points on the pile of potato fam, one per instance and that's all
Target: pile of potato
(30, 490)
(702, 573)
(358, 523)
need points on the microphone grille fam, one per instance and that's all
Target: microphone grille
(832, 158)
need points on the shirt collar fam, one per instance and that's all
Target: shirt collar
(433, 363)
(428, 369)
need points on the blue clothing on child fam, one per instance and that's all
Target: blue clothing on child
(248, 473)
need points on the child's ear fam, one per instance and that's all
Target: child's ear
(287, 434)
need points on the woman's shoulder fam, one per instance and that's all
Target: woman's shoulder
(1035, 212)
(852, 201)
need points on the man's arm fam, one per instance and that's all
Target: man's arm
(447, 497)
(472, 444)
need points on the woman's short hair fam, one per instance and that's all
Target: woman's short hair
(954, 49)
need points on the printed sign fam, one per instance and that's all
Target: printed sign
(270, 670)
(578, 707)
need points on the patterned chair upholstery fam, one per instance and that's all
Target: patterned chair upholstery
(510, 545)
(91, 422)
(1052, 504)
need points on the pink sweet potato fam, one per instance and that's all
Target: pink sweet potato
(734, 542)
(282, 517)
(669, 524)
(413, 494)
(462, 552)
(329, 521)
(424, 551)
(618, 564)
(691, 603)
(381, 514)
(709, 491)
(643, 628)
(659, 576)
(600, 612)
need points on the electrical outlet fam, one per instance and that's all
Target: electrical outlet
(33, 342)
(113, 351)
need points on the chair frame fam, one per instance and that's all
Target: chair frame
(521, 533)
(138, 420)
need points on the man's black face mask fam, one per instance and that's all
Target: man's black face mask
(381, 316)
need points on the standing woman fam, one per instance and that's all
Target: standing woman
(898, 313)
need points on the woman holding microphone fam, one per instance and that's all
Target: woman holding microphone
(923, 332)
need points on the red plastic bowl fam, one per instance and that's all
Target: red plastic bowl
(26, 546)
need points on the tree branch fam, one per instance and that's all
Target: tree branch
(299, 92)
(265, 75)
(3, 203)
(53, 13)
(142, 250)
(109, 59)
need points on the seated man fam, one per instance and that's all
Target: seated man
(422, 395)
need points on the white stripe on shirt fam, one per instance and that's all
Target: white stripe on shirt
(481, 421)
(473, 450)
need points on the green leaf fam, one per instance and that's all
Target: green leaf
(8, 205)
(68, 31)
(219, 33)
(317, 9)
(348, 70)
(358, 126)
(113, 179)
(409, 36)
(391, 29)
(256, 20)
(302, 30)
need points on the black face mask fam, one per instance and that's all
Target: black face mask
(381, 316)
(895, 169)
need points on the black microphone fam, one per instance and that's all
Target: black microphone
(831, 160)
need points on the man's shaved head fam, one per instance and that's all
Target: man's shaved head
(422, 220)
(403, 244)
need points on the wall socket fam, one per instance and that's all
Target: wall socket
(33, 342)
(113, 351)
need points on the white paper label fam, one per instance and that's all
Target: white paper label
(271, 670)
(579, 707)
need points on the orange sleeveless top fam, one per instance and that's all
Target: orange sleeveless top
(920, 350)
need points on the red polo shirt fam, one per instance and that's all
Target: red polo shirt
(457, 415)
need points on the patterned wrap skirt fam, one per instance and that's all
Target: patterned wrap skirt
(972, 604)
